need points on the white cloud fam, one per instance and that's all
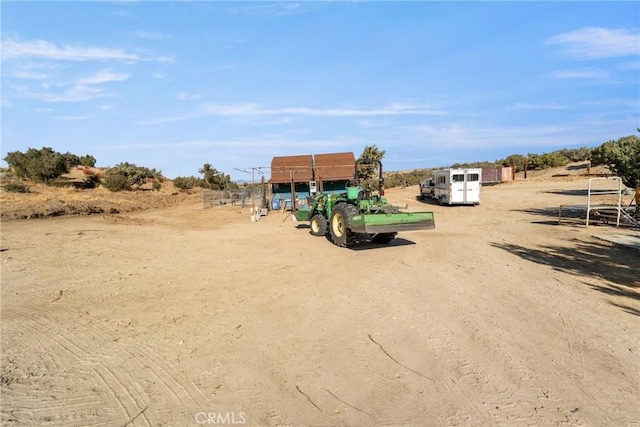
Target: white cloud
(183, 96)
(44, 49)
(580, 74)
(76, 93)
(106, 107)
(266, 142)
(166, 59)
(367, 124)
(71, 118)
(633, 103)
(122, 14)
(103, 76)
(630, 66)
(593, 43)
(29, 75)
(464, 136)
(13, 49)
(224, 67)
(228, 42)
(151, 35)
(81, 89)
(276, 9)
(253, 110)
(527, 106)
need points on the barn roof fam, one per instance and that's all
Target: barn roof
(285, 167)
(334, 166)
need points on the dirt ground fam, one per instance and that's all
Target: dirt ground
(184, 316)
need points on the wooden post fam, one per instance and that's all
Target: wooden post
(526, 164)
(293, 192)
(264, 194)
(588, 167)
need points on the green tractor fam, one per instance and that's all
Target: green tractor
(360, 215)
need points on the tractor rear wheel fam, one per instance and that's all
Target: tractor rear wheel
(319, 225)
(341, 234)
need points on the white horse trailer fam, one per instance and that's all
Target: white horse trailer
(457, 186)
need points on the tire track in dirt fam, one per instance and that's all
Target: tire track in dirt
(518, 390)
(120, 377)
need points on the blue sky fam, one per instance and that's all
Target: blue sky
(174, 85)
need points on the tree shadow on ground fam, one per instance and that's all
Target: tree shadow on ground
(616, 268)
(570, 193)
(576, 167)
(576, 215)
(570, 216)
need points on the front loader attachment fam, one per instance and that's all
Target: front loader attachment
(391, 222)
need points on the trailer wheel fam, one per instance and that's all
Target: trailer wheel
(319, 225)
(383, 237)
(341, 234)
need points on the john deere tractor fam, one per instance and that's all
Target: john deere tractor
(360, 214)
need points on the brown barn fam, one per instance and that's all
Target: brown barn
(320, 172)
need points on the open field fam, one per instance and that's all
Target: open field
(180, 316)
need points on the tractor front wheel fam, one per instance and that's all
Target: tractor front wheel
(341, 234)
(319, 225)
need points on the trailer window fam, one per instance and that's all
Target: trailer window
(458, 178)
(473, 177)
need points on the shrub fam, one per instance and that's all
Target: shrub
(547, 160)
(516, 160)
(16, 187)
(156, 185)
(124, 176)
(116, 181)
(622, 157)
(188, 182)
(87, 160)
(44, 165)
(41, 165)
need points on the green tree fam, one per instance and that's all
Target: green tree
(43, 165)
(576, 154)
(87, 160)
(124, 176)
(546, 160)
(17, 161)
(516, 160)
(622, 157)
(188, 182)
(216, 180)
(370, 157)
(115, 181)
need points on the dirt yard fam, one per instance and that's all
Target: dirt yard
(185, 316)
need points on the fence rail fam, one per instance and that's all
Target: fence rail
(243, 198)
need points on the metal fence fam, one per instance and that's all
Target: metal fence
(242, 198)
